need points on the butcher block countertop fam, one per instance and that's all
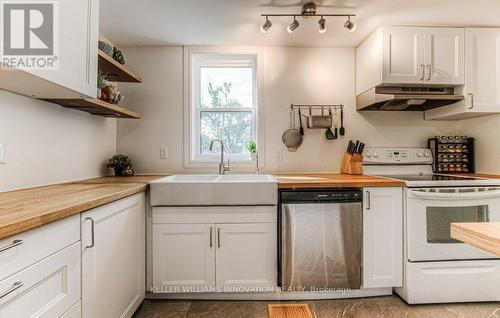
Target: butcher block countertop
(22, 210)
(483, 235)
(332, 180)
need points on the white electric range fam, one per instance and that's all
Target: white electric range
(438, 268)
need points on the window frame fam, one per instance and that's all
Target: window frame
(194, 59)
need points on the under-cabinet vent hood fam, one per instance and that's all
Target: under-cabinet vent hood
(390, 98)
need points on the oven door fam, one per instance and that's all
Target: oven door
(429, 213)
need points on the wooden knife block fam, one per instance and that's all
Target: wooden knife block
(352, 164)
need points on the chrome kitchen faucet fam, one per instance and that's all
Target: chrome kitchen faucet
(222, 167)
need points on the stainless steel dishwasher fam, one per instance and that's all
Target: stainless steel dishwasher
(320, 239)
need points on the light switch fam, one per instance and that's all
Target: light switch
(3, 153)
(164, 152)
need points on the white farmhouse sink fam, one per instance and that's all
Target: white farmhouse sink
(232, 189)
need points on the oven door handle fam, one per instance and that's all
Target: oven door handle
(488, 194)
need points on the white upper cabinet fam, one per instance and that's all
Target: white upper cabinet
(76, 75)
(382, 237)
(410, 55)
(482, 77)
(483, 70)
(403, 55)
(444, 56)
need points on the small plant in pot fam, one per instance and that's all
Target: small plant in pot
(122, 165)
(252, 148)
(101, 83)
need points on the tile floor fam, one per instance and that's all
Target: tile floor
(376, 307)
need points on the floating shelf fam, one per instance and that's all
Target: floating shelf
(115, 72)
(96, 107)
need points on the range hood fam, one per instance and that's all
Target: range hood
(401, 98)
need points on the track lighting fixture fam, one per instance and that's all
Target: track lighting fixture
(349, 25)
(308, 10)
(266, 26)
(322, 25)
(294, 25)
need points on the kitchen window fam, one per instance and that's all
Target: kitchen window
(222, 104)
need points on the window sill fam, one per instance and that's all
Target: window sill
(211, 164)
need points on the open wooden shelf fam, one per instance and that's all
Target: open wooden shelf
(115, 72)
(96, 107)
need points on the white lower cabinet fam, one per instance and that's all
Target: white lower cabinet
(382, 237)
(223, 253)
(246, 256)
(113, 258)
(74, 312)
(184, 257)
(46, 289)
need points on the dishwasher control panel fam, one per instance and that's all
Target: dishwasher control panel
(326, 196)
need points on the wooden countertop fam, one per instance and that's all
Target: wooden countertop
(22, 210)
(332, 180)
(483, 235)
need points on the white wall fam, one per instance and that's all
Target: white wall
(47, 143)
(298, 75)
(486, 131)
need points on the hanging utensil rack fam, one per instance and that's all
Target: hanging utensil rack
(323, 107)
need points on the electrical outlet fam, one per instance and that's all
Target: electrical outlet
(278, 156)
(3, 153)
(164, 152)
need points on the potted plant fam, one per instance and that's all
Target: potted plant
(101, 83)
(252, 148)
(122, 165)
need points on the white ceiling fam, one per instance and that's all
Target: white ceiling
(237, 22)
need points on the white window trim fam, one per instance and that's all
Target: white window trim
(190, 96)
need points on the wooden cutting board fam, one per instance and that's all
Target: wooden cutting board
(289, 311)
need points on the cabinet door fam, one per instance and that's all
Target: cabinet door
(77, 57)
(183, 257)
(482, 54)
(403, 55)
(444, 56)
(246, 256)
(382, 237)
(113, 263)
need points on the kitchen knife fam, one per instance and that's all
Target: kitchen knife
(349, 147)
(361, 148)
(356, 147)
(351, 150)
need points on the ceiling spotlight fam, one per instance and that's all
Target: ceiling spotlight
(349, 25)
(294, 25)
(266, 26)
(322, 25)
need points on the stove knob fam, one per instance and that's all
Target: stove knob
(368, 155)
(419, 154)
(375, 155)
(426, 154)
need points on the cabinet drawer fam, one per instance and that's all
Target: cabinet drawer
(37, 244)
(46, 289)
